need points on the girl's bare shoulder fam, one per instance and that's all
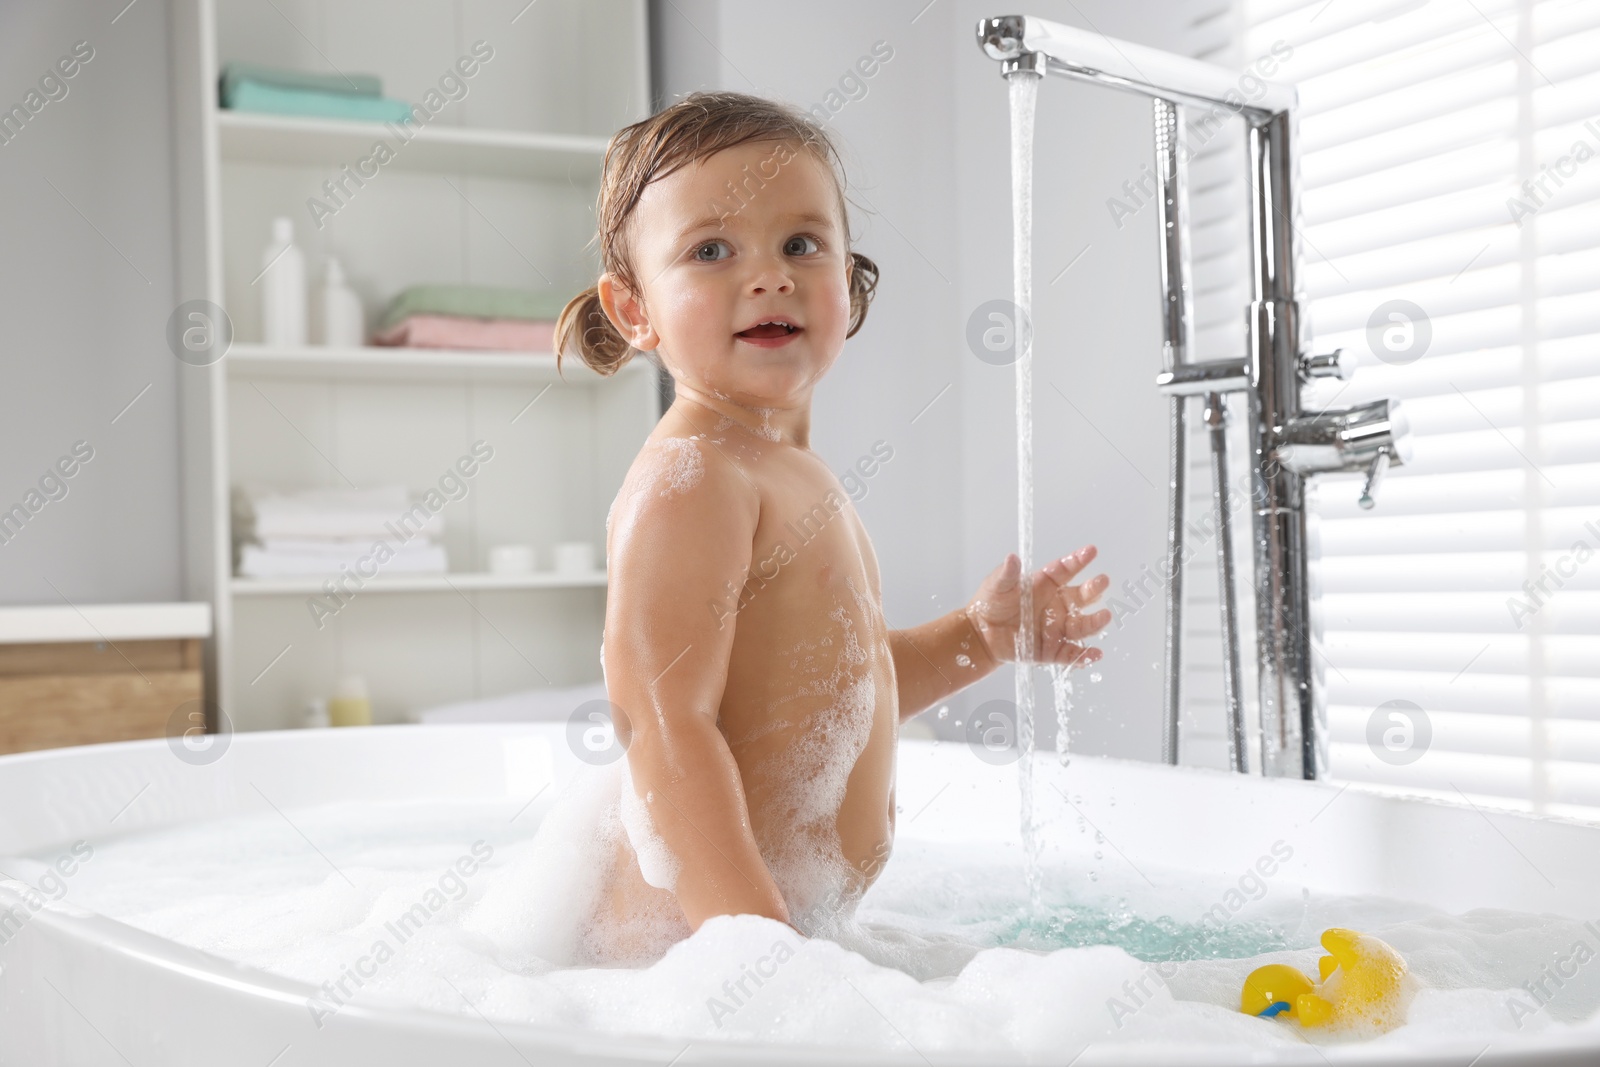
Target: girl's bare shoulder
(687, 479)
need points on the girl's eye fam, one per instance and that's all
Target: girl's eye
(789, 246)
(709, 244)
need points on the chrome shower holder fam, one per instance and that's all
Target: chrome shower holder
(1287, 444)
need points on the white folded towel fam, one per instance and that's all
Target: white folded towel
(388, 511)
(258, 562)
(344, 547)
(382, 496)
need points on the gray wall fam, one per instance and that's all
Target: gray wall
(86, 285)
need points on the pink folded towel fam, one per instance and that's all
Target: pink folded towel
(453, 331)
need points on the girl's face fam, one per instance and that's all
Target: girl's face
(747, 235)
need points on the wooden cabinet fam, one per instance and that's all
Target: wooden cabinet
(57, 689)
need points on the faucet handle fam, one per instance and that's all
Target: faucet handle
(1329, 365)
(1396, 451)
(1370, 437)
(1375, 473)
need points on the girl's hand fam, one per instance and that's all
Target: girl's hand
(1059, 620)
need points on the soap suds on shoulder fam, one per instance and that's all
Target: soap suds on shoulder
(669, 466)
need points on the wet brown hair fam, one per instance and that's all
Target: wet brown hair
(693, 129)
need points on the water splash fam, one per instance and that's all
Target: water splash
(1061, 689)
(1024, 90)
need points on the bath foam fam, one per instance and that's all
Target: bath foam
(671, 466)
(668, 467)
(540, 912)
(550, 905)
(811, 776)
(249, 889)
(688, 465)
(813, 770)
(637, 938)
(801, 844)
(657, 863)
(766, 429)
(868, 607)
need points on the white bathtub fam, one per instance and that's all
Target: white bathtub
(80, 989)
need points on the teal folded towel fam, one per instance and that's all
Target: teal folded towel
(356, 84)
(473, 301)
(255, 96)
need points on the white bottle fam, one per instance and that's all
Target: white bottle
(283, 288)
(342, 325)
(316, 713)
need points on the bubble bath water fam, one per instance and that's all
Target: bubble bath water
(428, 906)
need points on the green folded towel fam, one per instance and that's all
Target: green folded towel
(474, 301)
(254, 96)
(353, 84)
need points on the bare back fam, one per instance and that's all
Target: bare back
(808, 709)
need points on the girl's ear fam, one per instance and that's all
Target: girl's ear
(627, 313)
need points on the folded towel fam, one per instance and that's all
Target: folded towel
(257, 96)
(355, 525)
(343, 547)
(258, 562)
(320, 514)
(234, 72)
(474, 301)
(453, 331)
(380, 496)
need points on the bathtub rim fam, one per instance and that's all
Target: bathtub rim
(88, 927)
(541, 728)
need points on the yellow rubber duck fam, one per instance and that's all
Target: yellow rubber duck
(1363, 984)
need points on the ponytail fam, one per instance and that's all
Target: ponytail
(863, 283)
(583, 324)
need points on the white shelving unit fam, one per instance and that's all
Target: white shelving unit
(410, 364)
(419, 583)
(496, 188)
(328, 142)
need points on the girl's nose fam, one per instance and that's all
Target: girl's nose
(772, 276)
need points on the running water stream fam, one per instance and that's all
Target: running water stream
(1024, 90)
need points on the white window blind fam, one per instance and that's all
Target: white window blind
(1450, 158)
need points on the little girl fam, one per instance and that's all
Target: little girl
(758, 689)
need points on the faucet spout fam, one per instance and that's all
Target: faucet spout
(1124, 65)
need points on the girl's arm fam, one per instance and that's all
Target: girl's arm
(926, 664)
(938, 658)
(677, 538)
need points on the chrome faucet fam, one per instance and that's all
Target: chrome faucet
(1287, 443)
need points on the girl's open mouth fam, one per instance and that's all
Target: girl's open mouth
(769, 334)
